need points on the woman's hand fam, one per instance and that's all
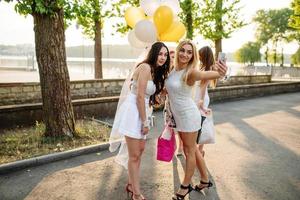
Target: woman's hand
(208, 111)
(221, 68)
(200, 104)
(145, 130)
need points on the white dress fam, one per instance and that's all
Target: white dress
(184, 109)
(128, 121)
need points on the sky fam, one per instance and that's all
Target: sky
(17, 29)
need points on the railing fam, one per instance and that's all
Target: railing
(285, 73)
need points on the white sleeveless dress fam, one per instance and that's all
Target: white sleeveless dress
(128, 121)
(183, 107)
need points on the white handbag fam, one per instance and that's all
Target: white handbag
(207, 131)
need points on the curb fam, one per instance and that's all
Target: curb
(40, 160)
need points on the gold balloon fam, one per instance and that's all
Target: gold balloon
(163, 18)
(174, 33)
(134, 15)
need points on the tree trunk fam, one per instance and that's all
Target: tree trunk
(266, 55)
(98, 50)
(219, 27)
(275, 53)
(189, 21)
(54, 76)
(218, 46)
(282, 58)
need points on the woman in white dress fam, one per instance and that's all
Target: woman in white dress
(207, 62)
(179, 85)
(132, 120)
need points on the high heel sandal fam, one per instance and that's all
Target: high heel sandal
(139, 196)
(204, 185)
(181, 196)
(129, 192)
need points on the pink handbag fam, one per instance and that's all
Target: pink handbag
(166, 147)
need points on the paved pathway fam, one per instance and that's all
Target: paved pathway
(257, 156)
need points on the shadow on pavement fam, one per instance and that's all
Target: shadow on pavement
(18, 185)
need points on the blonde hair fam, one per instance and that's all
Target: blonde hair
(192, 63)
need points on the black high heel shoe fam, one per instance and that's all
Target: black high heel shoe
(181, 196)
(204, 185)
(129, 192)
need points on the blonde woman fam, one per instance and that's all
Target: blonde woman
(179, 86)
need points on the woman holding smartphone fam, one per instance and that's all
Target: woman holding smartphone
(179, 85)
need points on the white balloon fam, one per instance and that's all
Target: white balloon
(134, 42)
(173, 4)
(145, 31)
(149, 6)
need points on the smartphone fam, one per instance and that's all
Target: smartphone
(222, 57)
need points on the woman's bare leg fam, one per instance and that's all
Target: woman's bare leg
(201, 165)
(189, 148)
(135, 151)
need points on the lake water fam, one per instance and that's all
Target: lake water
(83, 68)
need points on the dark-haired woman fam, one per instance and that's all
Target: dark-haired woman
(132, 120)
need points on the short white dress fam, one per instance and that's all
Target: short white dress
(182, 105)
(127, 120)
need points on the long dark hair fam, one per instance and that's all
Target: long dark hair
(206, 57)
(159, 73)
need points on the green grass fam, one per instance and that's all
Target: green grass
(28, 142)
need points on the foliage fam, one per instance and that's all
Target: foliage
(44, 7)
(272, 55)
(294, 20)
(188, 15)
(87, 12)
(248, 53)
(119, 7)
(272, 25)
(272, 28)
(296, 58)
(217, 19)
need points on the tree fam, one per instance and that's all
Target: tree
(294, 20)
(272, 27)
(218, 19)
(272, 57)
(248, 53)
(294, 23)
(296, 58)
(89, 15)
(188, 16)
(48, 16)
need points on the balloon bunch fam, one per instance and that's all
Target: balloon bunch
(154, 20)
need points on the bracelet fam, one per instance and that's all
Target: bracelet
(146, 124)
